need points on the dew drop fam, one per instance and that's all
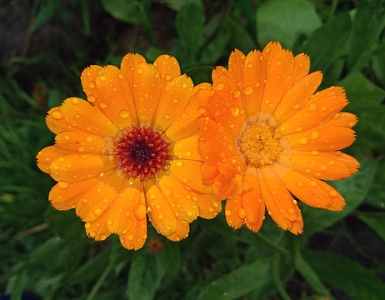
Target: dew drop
(248, 91)
(124, 114)
(57, 115)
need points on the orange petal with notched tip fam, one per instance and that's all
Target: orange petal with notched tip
(321, 106)
(297, 96)
(80, 141)
(279, 76)
(236, 66)
(181, 232)
(82, 115)
(129, 64)
(74, 167)
(114, 97)
(135, 239)
(146, 92)
(98, 229)
(180, 198)
(279, 203)
(168, 67)
(254, 79)
(208, 204)
(186, 124)
(344, 119)
(47, 155)
(311, 191)
(56, 121)
(95, 201)
(322, 165)
(323, 138)
(88, 79)
(301, 66)
(173, 100)
(162, 215)
(64, 196)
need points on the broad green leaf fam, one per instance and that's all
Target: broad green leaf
(376, 195)
(178, 4)
(353, 189)
(216, 47)
(379, 63)
(189, 25)
(285, 21)
(328, 43)
(132, 11)
(147, 271)
(375, 220)
(345, 274)
(240, 37)
(238, 283)
(307, 272)
(368, 23)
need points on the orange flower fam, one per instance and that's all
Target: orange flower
(269, 138)
(130, 151)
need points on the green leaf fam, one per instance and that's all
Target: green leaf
(132, 11)
(240, 37)
(307, 271)
(147, 271)
(345, 274)
(379, 63)
(368, 23)
(178, 4)
(328, 43)
(375, 220)
(376, 195)
(285, 21)
(353, 190)
(47, 10)
(254, 276)
(189, 25)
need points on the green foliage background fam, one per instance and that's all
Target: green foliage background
(45, 44)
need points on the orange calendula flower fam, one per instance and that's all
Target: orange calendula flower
(269, 138)
(130, 151)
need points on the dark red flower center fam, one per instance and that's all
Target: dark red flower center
(142, 152)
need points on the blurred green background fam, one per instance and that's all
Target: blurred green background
(44, 45)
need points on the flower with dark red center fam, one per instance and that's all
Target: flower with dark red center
(130, 151)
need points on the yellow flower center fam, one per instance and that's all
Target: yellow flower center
(259, 144)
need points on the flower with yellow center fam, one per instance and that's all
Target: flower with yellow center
(268, 138)
(130, 152)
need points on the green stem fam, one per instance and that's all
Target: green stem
(277, 277)
(100, 281)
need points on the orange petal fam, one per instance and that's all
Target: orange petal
(323, 138)
(82, 115)
(189, 173)
(187, 149)
(311, 191)
(175, 96)
(88, 79)
(321, 106)
(129, 64)
(95, 201)
(168, 67)
(344, 119)
(47, 155)
(113, 97)
(301, 66)
(234, 212)
(236, 66)
(162, 215)
(297, 96)
(181, 232)
(74, 167)
(252, 201)
(126, 211)
(209, 205)
(98, 229)
(135, 240)
(322, 165)
(279, 203)
(186, 124)
(254, 78)
(180, 198)
(56, 121)
(64, 196)
(146, 92)
(80, 141)
(225, 105)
